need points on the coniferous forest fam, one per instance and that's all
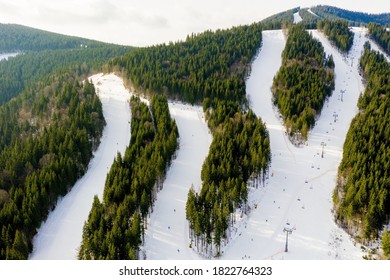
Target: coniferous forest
(51, 120)
(225, 174)
(116, 225)
(211, 68)
(338, 32)
(207, 65)
(362, 195)
(39, 159)
(380, 35)
(303, 82)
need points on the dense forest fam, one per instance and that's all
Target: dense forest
(22, 71)
(362, 197)
(380, 35)
(39, 159)
(338, 33)
(353, 18)
(116, 225)
(211, 68)
(208, 65)
(280, 20)
(42, 53)
(308, 18)
(303, 82)
(22, 38)
(225, 174)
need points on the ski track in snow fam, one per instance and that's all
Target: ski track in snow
(167, 235)
(60, 236)
(298, 193)
(297, 17)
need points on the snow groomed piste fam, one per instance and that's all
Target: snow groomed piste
(295, 200)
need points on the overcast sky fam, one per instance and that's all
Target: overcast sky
(147, 22)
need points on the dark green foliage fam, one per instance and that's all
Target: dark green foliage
(386, 243)
(354, 18)
(380, 35)
(208, 65)
(240, 150)
(362, 196)
(338, 32)
(280, 20)
(308, 19)
(115, 226)
(24, 70)
(47, 136)
(211, 68)
(303, 82)
(22, 38)
(43, 53)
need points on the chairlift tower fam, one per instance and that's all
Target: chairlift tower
(323, 144)
(288, 231)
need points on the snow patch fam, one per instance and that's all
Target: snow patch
(297, 17)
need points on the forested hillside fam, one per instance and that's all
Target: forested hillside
(362, 198)
(24, 70)
(42, 53)
(353, 18)
(47, 137)
(225, 173)
(280, 20)
(211, 68)
(303, 82)
(116, 225)
(338, 33)
(208, 65)
(22, 38)
(380, 35)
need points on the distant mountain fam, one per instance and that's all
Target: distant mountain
(22, 38)
(311, 16)
(44, 53)
(354, 18)
(276, 21)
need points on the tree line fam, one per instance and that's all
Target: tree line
(303, 82)
(207, 65)
(338, 32)
(353, 18)
(225, 175)
(362, 197)
(116, 225)
(211, 68)
(16, 37)
(380, 35)
(24, 70)
(40, 160)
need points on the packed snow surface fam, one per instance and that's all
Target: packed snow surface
(298, 195)
(5, 56)
(60, 236)
(297, 17)
(314, 14)
(167, 231)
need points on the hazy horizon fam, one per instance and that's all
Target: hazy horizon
(148, 22)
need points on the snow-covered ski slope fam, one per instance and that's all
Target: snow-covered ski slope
(167, 232)
(297, 17)
(298, 194)
(60, 236)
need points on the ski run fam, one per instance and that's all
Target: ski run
(296, 199)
